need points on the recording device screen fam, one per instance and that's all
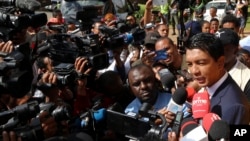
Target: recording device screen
(177, 122)
(127, 125)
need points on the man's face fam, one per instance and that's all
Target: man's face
(95, 29)
(230, 52)
(206, 28)
(130, 20)
(142, 84)
(172, 52)
(204, 69)
(19, 37)
(214, 25)
(213, 12)
(163, 30)
(231, 26)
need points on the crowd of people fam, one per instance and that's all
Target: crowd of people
(59, 72)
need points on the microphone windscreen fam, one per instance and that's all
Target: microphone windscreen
(167, 79)
(187, 125)
(190, 93)
(180, 95)
(208, 120)
(31, 5)
(200, 105)
(219, 130)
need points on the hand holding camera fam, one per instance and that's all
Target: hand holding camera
(6, 47)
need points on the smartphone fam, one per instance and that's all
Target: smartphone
(177, 123)
(161, 55)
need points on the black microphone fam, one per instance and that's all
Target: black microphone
(31, 5)
(219, 130)
(167, 79)
(178, 99)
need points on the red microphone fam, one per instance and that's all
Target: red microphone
(191, 92)
(208, 120)
(200, 105)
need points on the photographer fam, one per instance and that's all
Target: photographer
(15, 95)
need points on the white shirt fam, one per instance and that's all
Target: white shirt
(211, 90)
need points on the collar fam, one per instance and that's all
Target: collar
(211, 90)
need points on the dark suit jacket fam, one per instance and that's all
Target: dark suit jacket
(230, 103)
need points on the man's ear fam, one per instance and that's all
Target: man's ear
(221, 62)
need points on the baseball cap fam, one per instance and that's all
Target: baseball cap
(228, 36)
(151, 37)
(245, 43)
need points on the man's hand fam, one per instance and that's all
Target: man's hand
(81, 65)
(48, 124)
(48, 78)
(168, 115)
(6, 47)
(148, 57)
(11, 136)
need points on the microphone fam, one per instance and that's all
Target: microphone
(208, 120)
(178, 99)
(197, 134)
(167, 79)
(89, 117)
(191, 92)
(219, 130)
(200, 105)
(187, 125)
(31, 5)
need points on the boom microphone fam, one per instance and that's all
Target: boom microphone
(200, 105)
(178, 99)
(31, 5)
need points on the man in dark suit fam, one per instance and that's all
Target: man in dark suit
(205, 60)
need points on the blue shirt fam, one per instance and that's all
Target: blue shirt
(161, 102)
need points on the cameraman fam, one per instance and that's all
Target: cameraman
(12, 97)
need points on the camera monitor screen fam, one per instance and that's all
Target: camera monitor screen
(127, 125)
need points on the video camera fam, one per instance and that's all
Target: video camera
(59, 112)
(63, 49)
(117, 37)
(10, 23)
(135, 127)
(17, 118)
(16, 71)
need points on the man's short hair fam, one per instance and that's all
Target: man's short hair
(230, 18)
(207, 42)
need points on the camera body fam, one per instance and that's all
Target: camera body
(117, 37)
